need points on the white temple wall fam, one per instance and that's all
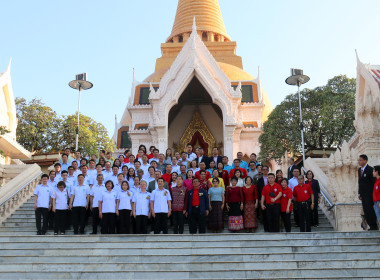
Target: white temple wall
(249, 142)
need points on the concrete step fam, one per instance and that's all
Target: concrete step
(110, 258)
(120, 273)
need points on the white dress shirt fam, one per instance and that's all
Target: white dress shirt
(160, 200)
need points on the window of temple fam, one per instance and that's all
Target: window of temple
(204, 36)
(144, 95)
(126, 141)
(246, 92)
(180, 38)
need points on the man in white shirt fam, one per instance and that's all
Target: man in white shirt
(189, 153)
(71, 177)
(77, 158)
(107, 172)
(87, 178)
(156, 153)
(131, 163)
(51, 182)
(64, 162)
(145, 165)
(175, 166)
(80, 197)
(42, 204)
(113, 177)
(184, 161)
(151, 176)
(160, 207)
(77, 171)
(294, 181)
(95, 195)
(91, 168)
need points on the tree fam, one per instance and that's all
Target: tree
(328, 113)
(38, 125)
(40, 129)
(93, 136)
(3, 130)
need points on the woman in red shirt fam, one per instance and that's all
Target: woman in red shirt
(223, 174)
(279, 176)
(250, 205)
(376, 191)
(234, 201)
(286, 204)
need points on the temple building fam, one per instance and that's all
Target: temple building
(198, 93)
(9, 148)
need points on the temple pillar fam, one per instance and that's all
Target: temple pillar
(228, 134)
(210, 36)
(175, 39)
(162, 138)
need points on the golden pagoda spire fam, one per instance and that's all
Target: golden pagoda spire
(208, 17)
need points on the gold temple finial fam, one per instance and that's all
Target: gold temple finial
(208, 14)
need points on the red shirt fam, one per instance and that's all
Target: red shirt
(376, 190)
(167, 177)
(225, 176)
(242, 170)
(234, 194)
(150, 156)
(276, 188)
(303, 193)
(126, 160)
(198, 175)
(250, 194)
(196, 197)
(286, 195)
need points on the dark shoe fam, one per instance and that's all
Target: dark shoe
(43, 233)
(75, 233)
(39, 233)
(93, 233)
(82, 232)
(62, 233)
(55, 233)
(371, 229)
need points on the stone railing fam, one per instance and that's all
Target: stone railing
(17, 191)
(326, 204)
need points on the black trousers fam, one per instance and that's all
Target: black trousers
(369, 212)
(295, 213)
(108, 223)
(178, 222)
(273, 212)
(60, 220)
(197, 221)
(141, 224)
(79, 219)
(261, 215)
(124, 221)
(304, 216)
(285, 217)
(161, 223)
(314, 214)
(51, 219)
(42, 212)
(95, 220)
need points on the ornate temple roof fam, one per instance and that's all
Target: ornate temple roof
(207, 14)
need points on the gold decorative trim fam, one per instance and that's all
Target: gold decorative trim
(197, 124)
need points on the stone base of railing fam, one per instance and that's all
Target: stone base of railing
(348, 217)
(17, 191)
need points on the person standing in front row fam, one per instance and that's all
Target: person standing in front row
(376, 191)
(161, 207)
(60, 198)
(366, 183)
(304, 196)
(250, 205)
(179, 205)
(140, 208)
(124, 207)
(80, 197)
(235, 206)
(95, 194)
(216, 200)
(286, 204)
(42, 204)
(198, 208)
(107, 208)
(271, 195)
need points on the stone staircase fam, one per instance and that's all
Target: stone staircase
(318, 255)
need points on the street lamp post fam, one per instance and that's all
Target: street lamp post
(80, 83)
(297, 78)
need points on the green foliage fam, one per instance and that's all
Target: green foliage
(38, 125)
(3, 130)
(93, 136)
(40, 129)
(328, 113)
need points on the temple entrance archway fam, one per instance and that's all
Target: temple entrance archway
(195, 120)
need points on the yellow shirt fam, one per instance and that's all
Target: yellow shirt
(221, 183)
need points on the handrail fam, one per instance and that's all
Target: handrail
(327, 200)
(19, 189)
(346, 203)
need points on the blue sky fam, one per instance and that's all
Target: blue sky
(51, 41)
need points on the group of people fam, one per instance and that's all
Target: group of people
(129, 193)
